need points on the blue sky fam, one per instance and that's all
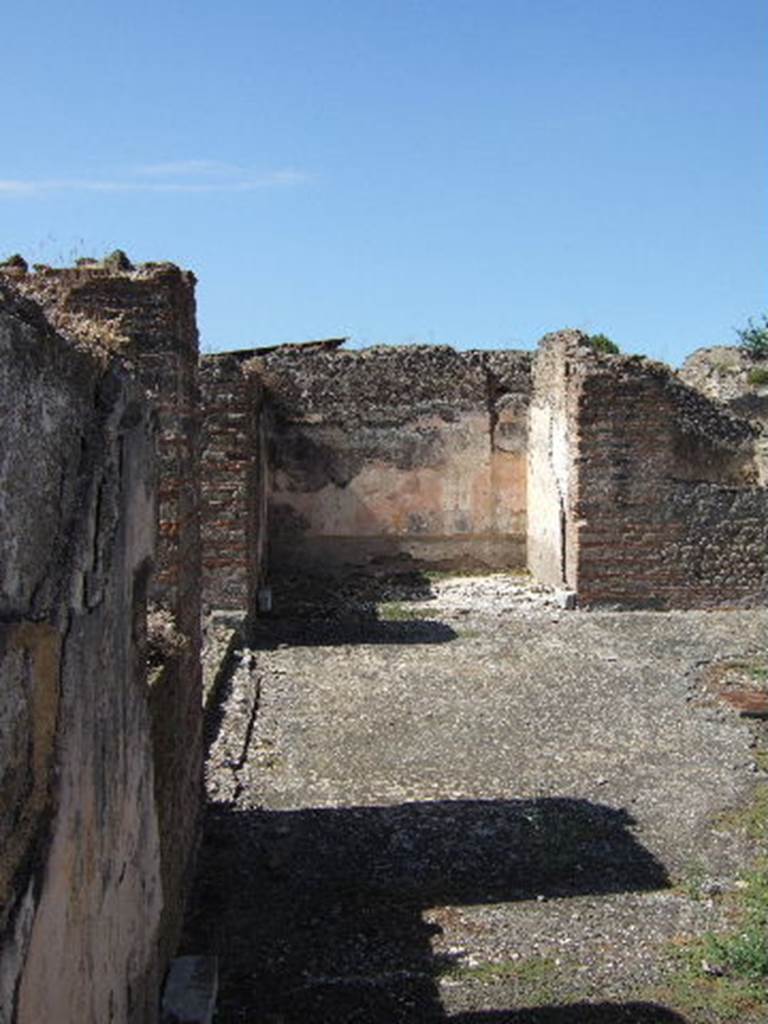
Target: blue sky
(470, 172)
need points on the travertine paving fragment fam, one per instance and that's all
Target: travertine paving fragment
(458, 802)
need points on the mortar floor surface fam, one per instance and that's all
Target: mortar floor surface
(454, 802)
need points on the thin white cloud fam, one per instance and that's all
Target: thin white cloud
(10, 187)
(185, 168)
(17, 188)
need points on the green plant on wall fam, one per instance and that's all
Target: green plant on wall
(602, 343)
(754, 338)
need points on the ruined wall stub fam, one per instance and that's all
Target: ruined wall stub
(397, 456)
(664, 504)
(146, 316)
(80, 868)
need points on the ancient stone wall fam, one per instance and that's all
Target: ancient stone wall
(145, 316)
(234, 482)
(80, 868)
(663, 505)
(396, 455)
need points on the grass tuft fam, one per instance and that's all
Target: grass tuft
(394, 611)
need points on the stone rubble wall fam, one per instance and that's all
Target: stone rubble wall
(234, 477)
(396, 455)
(729, 375)
(722, 372)
(665, 506)
(80, 863)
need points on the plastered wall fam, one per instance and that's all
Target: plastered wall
(100, 490)
(550, 466)
(145, 317)
(396, 456)
(80, 871)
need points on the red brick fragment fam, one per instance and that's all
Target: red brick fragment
(749, 703)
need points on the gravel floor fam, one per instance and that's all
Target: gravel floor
(454, 801)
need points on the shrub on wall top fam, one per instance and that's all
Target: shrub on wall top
(602, 343)
(754, 338)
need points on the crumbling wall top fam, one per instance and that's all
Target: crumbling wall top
(385, 383)
(689, 411)
(111, 304)
(613, 380)
(723, 372)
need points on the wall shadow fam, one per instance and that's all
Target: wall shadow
(326, 611)
(316, 915)
(577, 1013)
(350, 633)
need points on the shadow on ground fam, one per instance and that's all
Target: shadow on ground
(316, 915)
(326, 611)
(577, 1013)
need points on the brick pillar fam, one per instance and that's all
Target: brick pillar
(234, 481)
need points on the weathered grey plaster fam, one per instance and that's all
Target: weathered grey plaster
(80, 868)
